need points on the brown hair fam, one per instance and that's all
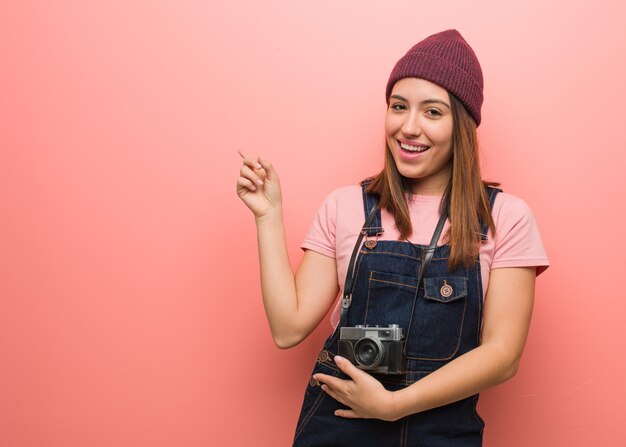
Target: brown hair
(465, 197)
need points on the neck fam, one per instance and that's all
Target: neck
(431, 186)
(427, 191)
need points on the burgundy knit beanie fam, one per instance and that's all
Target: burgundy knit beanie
(447, 60)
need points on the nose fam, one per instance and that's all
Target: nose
(412, 125)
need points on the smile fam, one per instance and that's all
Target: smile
(411, 148)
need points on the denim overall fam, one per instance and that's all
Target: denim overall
(441, 321)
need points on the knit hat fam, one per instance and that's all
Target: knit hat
(447, 60)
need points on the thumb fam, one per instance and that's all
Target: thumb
(348, 368)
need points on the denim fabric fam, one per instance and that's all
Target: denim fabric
(441, 320)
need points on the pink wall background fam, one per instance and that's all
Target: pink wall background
(130, 312)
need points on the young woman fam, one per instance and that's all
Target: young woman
(417, 343)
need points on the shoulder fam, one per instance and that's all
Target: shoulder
(517, 239)
(345, 194)
(338, 215)
(508, 209)
(342, 200)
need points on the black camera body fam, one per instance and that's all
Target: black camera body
(374, 348)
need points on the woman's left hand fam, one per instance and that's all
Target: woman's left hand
(365, 396)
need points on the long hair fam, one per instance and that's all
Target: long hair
(465, 197)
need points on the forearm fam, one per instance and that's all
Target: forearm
(507, 314)
(294, 302)
(277, 277)
(481, 368)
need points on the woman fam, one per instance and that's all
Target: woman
(442, 345)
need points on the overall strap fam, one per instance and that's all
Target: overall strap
(346, 299)
(491, 195)
(371, 227)
(370, 202)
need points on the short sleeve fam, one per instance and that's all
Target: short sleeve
(517, 240)
(321, 236)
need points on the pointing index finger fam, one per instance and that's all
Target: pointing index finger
(248, 160)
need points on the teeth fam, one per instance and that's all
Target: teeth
(410, 148)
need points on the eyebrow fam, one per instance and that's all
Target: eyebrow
(426, 101)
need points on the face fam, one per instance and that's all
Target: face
(418, 129)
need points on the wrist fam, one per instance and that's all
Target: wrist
(401, 406)
(272, 215)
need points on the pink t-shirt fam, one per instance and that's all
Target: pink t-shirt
(340, 217)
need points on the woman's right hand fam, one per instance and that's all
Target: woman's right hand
(258, 186)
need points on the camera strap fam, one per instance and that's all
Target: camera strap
(431, 248)
(346, 299)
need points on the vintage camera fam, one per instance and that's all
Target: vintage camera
(374, 348)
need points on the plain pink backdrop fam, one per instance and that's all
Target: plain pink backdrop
(130, 311)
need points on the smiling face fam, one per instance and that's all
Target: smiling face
(418, 129)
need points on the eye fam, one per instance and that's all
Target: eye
(398, 107)
(433, 113)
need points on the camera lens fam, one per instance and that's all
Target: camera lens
(369, 352)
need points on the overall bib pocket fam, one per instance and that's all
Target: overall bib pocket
(437, 323)
(431, 322)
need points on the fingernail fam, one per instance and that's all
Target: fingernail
(338, 359)
(259, 181)
(258, 166)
